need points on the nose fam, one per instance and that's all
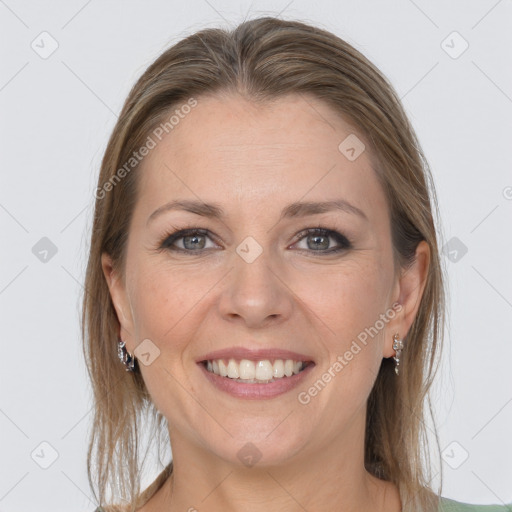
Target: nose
(256, 294)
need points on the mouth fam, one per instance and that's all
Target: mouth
(251, 374)
(255, 371)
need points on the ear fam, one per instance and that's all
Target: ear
(408, 292)
(120, 300)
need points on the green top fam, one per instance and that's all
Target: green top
(448, 505)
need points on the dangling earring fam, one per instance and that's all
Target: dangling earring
(398, 345)
(125, 357)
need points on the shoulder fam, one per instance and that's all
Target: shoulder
(448, 505)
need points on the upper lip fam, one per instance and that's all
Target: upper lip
(254, 355)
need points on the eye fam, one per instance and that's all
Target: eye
(319, 240)
(189, 240)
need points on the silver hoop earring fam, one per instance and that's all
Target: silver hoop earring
(125, 357)
(398, 346)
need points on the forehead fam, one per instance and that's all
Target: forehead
(277, 151)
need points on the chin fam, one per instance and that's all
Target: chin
(263, 447)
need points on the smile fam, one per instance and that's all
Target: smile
(262, 371)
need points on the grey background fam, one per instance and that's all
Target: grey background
(56, 115)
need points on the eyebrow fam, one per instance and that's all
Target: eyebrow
(293, 210)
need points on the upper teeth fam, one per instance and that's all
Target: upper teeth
(262, 370)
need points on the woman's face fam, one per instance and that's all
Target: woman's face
(254, 286)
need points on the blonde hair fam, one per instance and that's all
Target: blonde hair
(264, 59)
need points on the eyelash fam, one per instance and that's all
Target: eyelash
(170, 238)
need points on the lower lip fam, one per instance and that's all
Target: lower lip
(256, 391)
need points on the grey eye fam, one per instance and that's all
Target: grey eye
(323, 241)
(194, 242)
(318, 242)
(189, 240)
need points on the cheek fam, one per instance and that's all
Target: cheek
(347, 299)
(167, 301)
(158, 300)
(348, 305)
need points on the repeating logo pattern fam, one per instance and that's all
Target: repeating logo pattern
(47, 63)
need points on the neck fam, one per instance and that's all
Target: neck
(328, 477)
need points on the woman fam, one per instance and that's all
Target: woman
(264, 282)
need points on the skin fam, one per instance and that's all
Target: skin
(253, 160)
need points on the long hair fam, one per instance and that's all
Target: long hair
(264, 59)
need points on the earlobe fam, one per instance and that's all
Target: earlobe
(410, 288)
